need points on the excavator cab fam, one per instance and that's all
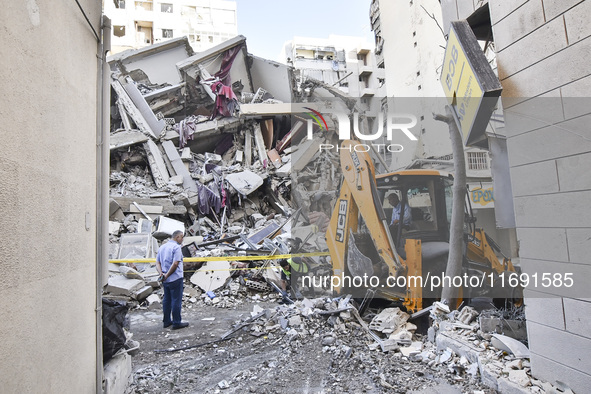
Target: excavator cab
(426, 195)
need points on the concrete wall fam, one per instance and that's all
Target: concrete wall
(543, 51)
(274, 77)
(48, 189)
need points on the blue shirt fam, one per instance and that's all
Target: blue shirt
(168, 254)
(396, 214)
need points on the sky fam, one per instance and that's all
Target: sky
(268, 24)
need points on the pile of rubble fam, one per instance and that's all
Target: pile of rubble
(203, 143)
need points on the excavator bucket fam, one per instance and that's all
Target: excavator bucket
(357, 262)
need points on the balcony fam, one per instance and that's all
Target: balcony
(368, 92)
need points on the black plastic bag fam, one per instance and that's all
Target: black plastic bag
(114, 314)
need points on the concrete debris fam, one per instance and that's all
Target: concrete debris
(154, 302)
(212, 275)
(119, 285)
(510, 345)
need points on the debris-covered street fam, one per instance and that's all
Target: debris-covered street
(260, 346)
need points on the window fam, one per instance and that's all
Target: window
(166, 7)
(118, 31)
(143, 5)
(120, 4)
(478, 161)
(166, 33)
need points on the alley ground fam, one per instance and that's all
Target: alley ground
(313, 360)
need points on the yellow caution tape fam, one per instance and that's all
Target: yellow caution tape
(226, 258)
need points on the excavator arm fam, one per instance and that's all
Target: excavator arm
(359, 198)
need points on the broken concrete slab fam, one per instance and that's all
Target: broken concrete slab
(516, 329)
(211, 61)
(245, 182)
(138, 109)
(260, 144)
(389, 320)
(284, 171)
(510, 345)
(212, 275)
(158, 61)
(129, 272)
(120, 285)
(142, 293)
(304, 154)
(180, 169)
(168, 208)
(125, 138)
(157, 165)
(117, 374)
(155, 209)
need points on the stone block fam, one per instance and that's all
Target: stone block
(543, 243)
(533, 114)
(577, 22)
(554, 210)
(560, 346)
(557, 70)
(142, 293)
(565, 139)
(570, 176)
(552, 278)
(120, 285)
(518, 24)
(579, 244)
(537, 178)
(577, 316)
(117, 374)
(501, 9)
(551, 371)
(553, 8)
(547, 310)
(154, 302)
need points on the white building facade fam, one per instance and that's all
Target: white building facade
(140, 23)
(346, 63)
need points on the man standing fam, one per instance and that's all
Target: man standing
(169, 263)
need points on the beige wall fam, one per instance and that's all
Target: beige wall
(48, 172)
(543, 51)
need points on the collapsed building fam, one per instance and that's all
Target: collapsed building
(207, 143)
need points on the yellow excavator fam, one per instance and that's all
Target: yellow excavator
(363, 244)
